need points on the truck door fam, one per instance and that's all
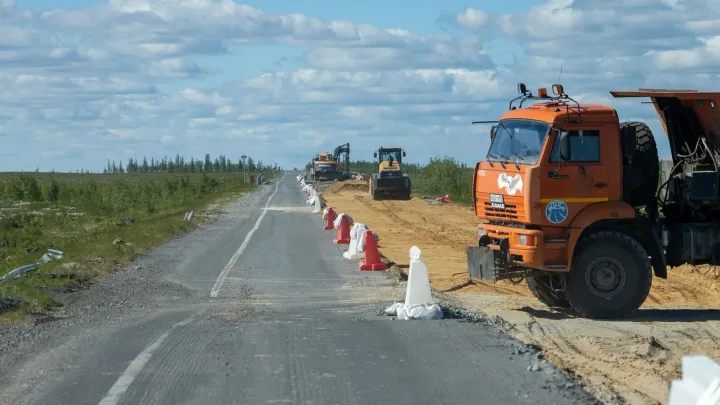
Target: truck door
(566, 188)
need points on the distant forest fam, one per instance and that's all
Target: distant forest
(181, 165)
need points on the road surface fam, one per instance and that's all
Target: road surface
(263, 309)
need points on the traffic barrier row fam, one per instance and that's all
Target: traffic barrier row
(361, 241)
(362, 244)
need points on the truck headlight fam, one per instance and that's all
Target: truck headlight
(523, 240)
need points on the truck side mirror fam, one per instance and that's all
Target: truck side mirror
(404, 154)
(493, 132)
(564, 139)
(375, 154)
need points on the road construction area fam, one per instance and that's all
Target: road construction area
(629, 361)
(259, 306)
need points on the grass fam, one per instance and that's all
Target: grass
(444, 176)
(99, 221)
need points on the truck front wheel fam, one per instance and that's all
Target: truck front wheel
(542, 289)
(610, 276)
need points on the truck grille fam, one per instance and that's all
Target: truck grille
(502, 214)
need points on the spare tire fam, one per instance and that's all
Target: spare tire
(641, 167)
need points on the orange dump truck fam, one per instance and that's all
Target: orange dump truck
(571, 199)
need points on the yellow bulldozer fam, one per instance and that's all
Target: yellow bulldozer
(390, 181)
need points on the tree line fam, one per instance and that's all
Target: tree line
(367, 167)
(220, 164)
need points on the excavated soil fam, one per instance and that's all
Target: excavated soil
(355, 185)
(629, 361)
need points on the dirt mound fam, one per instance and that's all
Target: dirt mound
(353, 185)
(632, 359)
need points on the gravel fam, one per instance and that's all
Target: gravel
(122, 297)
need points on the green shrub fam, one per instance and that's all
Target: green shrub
(444, 176)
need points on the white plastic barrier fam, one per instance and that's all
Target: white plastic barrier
(700, 383)
(357, 242)
(326, 211)
(418, 287)
(419, 303)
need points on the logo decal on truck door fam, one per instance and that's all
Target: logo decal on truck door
(556, 211)
(510, 184)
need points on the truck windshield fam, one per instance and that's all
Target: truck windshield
(518, 141)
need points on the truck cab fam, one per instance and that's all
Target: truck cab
(537, 198)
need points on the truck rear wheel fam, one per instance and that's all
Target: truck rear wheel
(541, 288)
(610, 276)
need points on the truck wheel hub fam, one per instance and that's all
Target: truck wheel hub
(605, 277)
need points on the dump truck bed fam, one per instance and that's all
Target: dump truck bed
(705, 105)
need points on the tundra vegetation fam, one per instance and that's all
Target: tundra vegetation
(101, 221)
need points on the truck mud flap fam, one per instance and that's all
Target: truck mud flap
(481, 263)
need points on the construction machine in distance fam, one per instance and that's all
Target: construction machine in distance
(328, 167)
(571, 200)
(390, 181)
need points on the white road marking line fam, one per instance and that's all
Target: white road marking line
(136, 366)
(223, 274)
(133, 370)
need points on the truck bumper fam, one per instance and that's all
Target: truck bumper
(504, 253)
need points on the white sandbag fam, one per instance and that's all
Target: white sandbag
(318, 205)
(338, 220)
(357, 236)
(405, 312)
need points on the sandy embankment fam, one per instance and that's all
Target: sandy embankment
(634, 359)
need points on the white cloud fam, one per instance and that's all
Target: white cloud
(122, 79)
(705, 56)
(472, 18)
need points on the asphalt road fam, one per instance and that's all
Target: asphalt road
(265, 310)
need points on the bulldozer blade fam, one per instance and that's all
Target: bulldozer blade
(391, 194)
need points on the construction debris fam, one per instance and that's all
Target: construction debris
(51, 255)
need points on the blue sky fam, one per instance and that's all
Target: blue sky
(85, 81)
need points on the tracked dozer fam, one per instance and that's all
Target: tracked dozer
(390, 181)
